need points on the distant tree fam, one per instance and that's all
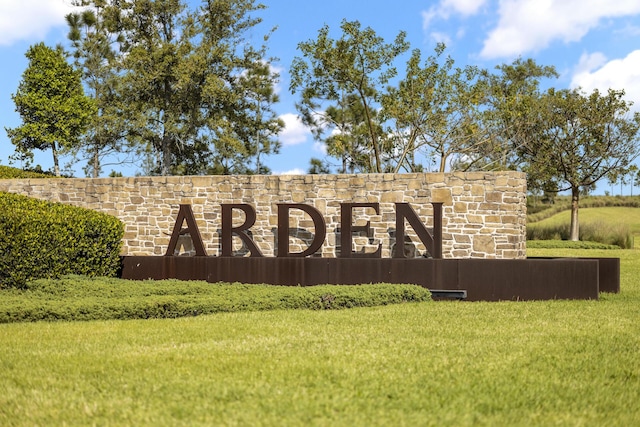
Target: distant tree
(636, 179)
(623, 178)
(582, 139)
(51, 102)
(549, 192)
(612, 179)
(342, 72)
(632, 172)
(156, 87)
(317, 167)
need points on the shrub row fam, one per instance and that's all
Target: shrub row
(619, 235)
(82, 298)
(41, 239)
(567, 244)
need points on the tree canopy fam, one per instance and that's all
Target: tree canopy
(345, 76)
(51, 102)
(434, 109)
(185, 87)
(188, 90)
(458, 118)
(94, 40)
(581, 139)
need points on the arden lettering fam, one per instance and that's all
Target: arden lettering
(404, 211)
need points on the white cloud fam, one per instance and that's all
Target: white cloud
(320, 147)
(30, 19)
(463, 7)
(440, 37)
(590, 62)
(629, 30)
(446, 8)
(443, 11)
(294, 131)
(295, 171)
(616, 74)
(531, 25)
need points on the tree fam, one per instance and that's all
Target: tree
(348, 74)
(634, 176)
(512, 98)
(195, 96)
(435, 107)
(94, 38)
(632, 170)
(236, 86)
(612, 179)
(51, 102)
(317, 166)
(156, 86)
(636, 179)
(350, 135)
(623, 179)
(257, 124)
(582, 139)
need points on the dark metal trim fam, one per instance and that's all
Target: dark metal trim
(448, 294)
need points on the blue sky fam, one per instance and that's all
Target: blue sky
(592, 44)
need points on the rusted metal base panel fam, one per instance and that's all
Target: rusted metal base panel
(482, 279)
(608, 273)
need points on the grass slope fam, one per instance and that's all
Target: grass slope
(618, 215)
(447, 363)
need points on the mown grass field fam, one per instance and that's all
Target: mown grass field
(573, 363)
(567, 363)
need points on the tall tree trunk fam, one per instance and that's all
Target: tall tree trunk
(56, 165)
(443, 162)
(96, 163)
(166, 155)
(575, 226)
(372, 133)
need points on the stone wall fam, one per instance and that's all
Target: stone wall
(484, 213)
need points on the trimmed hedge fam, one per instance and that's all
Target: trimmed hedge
(82, 298)
(41, 239)
(567, 244)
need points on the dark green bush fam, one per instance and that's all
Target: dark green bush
(41, 239)
(82, 298)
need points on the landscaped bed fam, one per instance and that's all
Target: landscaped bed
(82, 298)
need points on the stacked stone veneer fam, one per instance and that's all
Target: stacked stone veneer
(484, 214)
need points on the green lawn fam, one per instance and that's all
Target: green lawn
(573, 363)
